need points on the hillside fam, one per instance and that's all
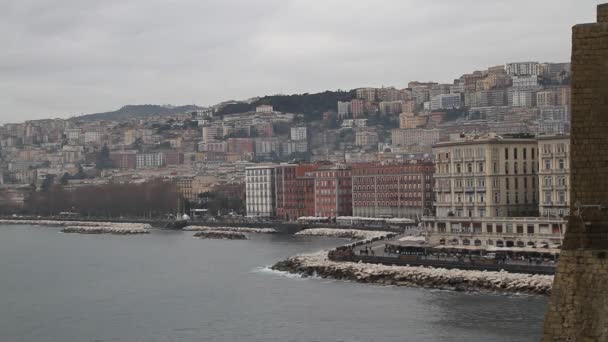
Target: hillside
(311, 105)
(137, 111)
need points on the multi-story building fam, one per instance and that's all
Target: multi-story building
(525, 82)
(295, 191)
(484, 232)
(392, 190)
(149, 160)
(357, 108)
(123, 160)
(367, 94)
(265, 147)
(388, 94)
(264, 109)
(211, 132)
(366, 137)
(409, 120)
(521, 98)
(487, 176)
(486, 98)
(390, 107)
(343, 109)
(419, 136)
(554, 175)
(546, 98)
(445, 101)
(333, 191)
(298, 133)
(241, 146)
(260, 190)
(522, 68)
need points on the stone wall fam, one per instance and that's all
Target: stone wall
(578, 310)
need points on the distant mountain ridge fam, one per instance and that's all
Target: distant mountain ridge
(137, 111)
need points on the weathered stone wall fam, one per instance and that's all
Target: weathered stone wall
(578, 310)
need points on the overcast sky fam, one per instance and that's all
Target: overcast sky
(67, 57)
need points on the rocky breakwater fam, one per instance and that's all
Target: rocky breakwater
(231, 229)
(317, 264)
(220, 234)
(355, 234)
(109, 228)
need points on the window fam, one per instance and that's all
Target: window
(489, 227)
(547, 181)
(547, 164)
(525, 150)
(515, 153)
(470, 168)
(506, 168)
(480, 167)
(469, 182)
(525, 168)
(507, 183)
(495, 167)
(547, 197)
(496, 197)
(458, 170)
(525, 182)
(515, 183)
(517, 198)
(481, 198)
(533, 154)
(530, 229)
(499, 228)
(562, 197)
(514, 168)
(481, 182)
(496, 184)
(506, 153)
(520, 229)
(561, 164)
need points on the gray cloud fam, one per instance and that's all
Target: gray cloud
(67, 57)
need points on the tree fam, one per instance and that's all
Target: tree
(102, 160)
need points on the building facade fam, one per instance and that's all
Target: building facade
(488, 176)
(260, 191)
(333, 191)
(554, 175)
(295, 191)
(392, 190)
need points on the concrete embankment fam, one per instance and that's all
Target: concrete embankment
(317, 264)
(220, 235)
(88, 227)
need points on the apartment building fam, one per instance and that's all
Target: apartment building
(486, 176)
(554, 175)
(392, 189)
(333, 191)
(406, 137)
(260, 190)
(295, 191)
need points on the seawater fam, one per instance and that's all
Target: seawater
(168, 286)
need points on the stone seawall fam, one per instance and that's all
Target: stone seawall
(317, 264)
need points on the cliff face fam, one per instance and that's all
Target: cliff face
(578, 310)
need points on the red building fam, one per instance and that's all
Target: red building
(333, 195)
(173, 158)
(295, 191)
(124, 160)
(241, 146)
(392, 190)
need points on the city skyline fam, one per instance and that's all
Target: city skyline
(77, 62)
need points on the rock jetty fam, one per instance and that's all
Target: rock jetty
(231, 229)
(118, 230)
(355, 234)
(88, 227)
(220, 234)
(317, 264)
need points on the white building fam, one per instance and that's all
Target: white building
(149, 160)
(264, 109)
(522, 68)
(417, 136)
(260, 190)
(525, 82)
(343, 109)
(92, 137)
(445, 101)
(521, 98)
(299, 133)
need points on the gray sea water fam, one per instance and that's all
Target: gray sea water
(168, 286)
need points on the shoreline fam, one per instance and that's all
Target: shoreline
(317, 264)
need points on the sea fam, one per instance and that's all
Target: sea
(169, 286)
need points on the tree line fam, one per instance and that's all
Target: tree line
(150, 199)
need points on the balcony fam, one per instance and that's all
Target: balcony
(469, 189)
(480, 188)
(458, 189)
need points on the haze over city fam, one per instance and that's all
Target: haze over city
(70, 57)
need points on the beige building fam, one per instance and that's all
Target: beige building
(553, 175)
(487, 176)
(409, 120)
(424, 137)
(366, 137)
